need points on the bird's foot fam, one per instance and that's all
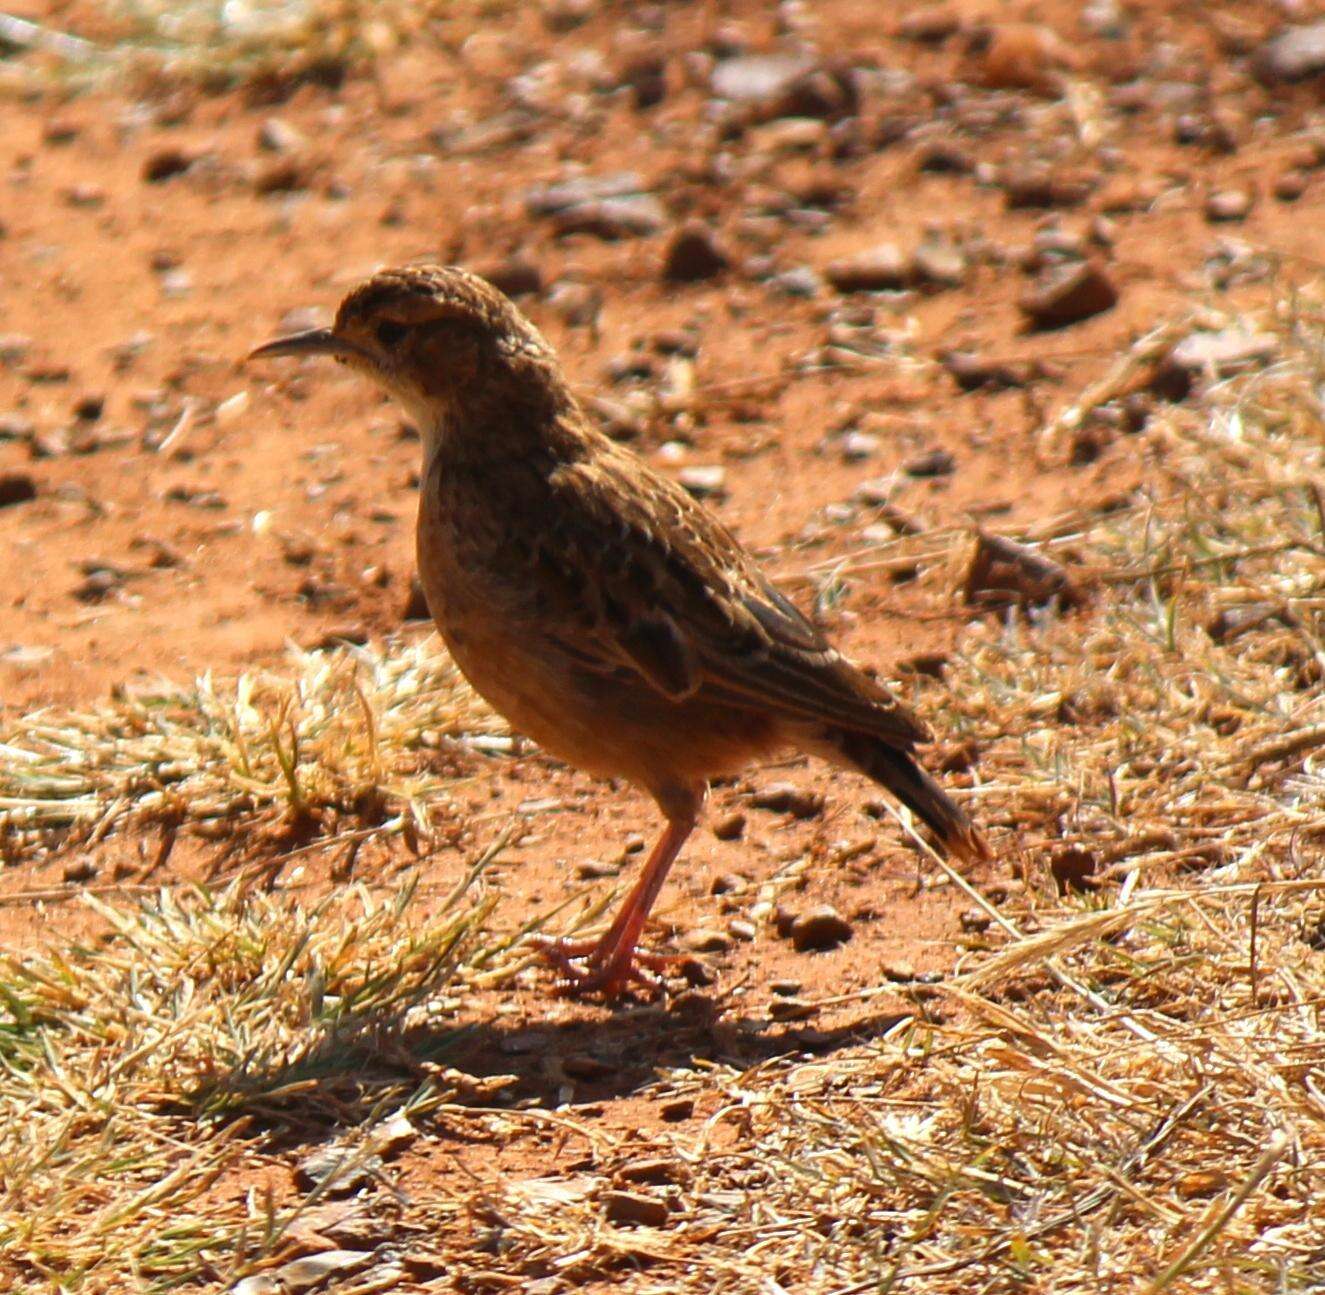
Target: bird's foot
(587, 968)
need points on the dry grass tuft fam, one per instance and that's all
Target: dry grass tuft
(143, 1081)
(345, 748)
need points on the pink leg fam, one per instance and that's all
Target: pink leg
(613, 961)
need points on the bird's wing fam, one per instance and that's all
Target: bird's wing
(665, 591)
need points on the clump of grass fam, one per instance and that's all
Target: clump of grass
(350, 742)
(141, 1079)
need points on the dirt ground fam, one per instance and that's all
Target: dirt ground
(166, 512)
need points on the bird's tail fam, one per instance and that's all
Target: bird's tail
(899, 774)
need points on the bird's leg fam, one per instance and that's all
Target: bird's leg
(613, 960)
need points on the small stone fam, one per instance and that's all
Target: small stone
(821, 928)
(972, 371)
(938, 264)
(281, 175)
(704, 940)
(858, 446)
(785, 988)
(785, 85)
(1068, 294)
(586, 1068)
(704, 482)
(276, 135)
(1228, 205)
(1023, 56)
(1074, 868)
(1004, 573)
(899, 972)
(164, 164)
(16, 488)
(730, 827)
(975, 919)
(1291, 185)
(98, 585)
(801, 281)
(14, 348)
(337, 1170)
(1295, 54)
(883, 268)
(693, 255)
(787, 798)
(595, 870)
(741, 929)
(1214, 355)
(612, 219)
(646, 76)
(316, 1270)
(85, 195)
(634, 1209)
(791, 1009)
(658, 1171)
(784, 918)
(515, 277)
(676, 1109)
(932, 463)
(84, 869)
(1032, 185)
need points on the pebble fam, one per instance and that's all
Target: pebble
(785, 988)
(972, 371)
(562, 195)
(515, 277)
(1031, 185)
(937, 264)
(704, 940)
(316, 1270)
(858, 446)
(742, 929)
(1295, 54)
(882, 268)
(1217, 354)
(704, 482)
(932, 463)
(694, 254)
(821, 928)
(1228, 205)
(164, 164)
(791, 1009)
(276, 135)
(634, 1209)
(1291, 185)
(784, 85)
(787, 798)
(798, 282)
(613, 218)
(17, 488)
(337, 1170)
(1003, 572)
(659, 1171)
(676, 1109)
(1067, 294)
(1023, 56)
(84, 869)
(730, 827)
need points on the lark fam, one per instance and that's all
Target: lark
(593, 602)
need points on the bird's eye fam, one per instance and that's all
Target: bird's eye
(389, 333)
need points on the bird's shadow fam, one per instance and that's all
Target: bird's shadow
(348, 1077)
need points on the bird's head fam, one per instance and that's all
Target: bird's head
(442, 341)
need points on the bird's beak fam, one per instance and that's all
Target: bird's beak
(315, 341)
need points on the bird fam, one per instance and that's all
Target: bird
(605, 612)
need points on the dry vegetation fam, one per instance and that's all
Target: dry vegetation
(1122, 1086)
(1123, 1082)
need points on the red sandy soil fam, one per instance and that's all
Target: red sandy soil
(291, 518)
